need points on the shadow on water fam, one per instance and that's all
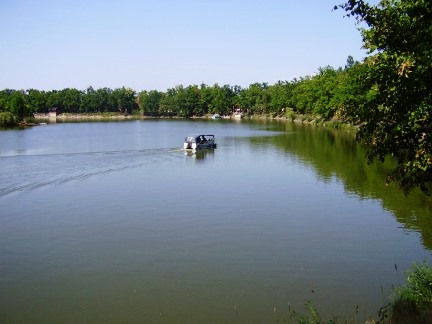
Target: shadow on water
(333, 155)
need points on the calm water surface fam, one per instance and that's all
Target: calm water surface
(114, 222)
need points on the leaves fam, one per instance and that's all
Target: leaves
(395, 120)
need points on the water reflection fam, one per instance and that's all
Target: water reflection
(114, 222)
(333, 156)
(200, 154)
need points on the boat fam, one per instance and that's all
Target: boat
(216, 116)
(197, 142)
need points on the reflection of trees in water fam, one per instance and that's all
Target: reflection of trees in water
(333, 155)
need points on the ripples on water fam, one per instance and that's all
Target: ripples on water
(114, 222)
(20, 174)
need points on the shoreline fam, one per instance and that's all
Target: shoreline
(301, 119)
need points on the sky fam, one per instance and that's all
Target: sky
(157, 45)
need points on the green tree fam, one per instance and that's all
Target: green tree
(396, 119)
(5, 97)
(54, 100)
(223, 99)
(304, 95)
(89, 101)
(193, 102)
(206, 98)
(7, 120)
(181, 102)
(71, 100)
(149, 102)
(36, 101)
(350, 62)
(349, 94)
(325, 85)
(103, 100)
(280, 97)
(17, 105)
(256, 99)
(124, 99)
(168, 106)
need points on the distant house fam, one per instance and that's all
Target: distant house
(53, 112)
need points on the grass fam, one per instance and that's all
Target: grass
(412, 303)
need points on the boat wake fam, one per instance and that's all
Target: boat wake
(23, 172)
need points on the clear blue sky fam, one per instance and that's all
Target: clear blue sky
(148, 45)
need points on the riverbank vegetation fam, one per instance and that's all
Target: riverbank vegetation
(321, 95)
(395, 115)
(388, 95)
(410, 303)
(7, 120)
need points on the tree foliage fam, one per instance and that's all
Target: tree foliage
(389, 94)
(7, 120)
(324, 94)
(396, 117)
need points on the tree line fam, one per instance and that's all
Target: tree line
(388, 95)
(26, 103)
(324, 94)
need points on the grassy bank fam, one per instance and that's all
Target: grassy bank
(409, 304)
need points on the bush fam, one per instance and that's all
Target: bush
(7, 119)
(29, 120)
(290, 114)
(413, 302)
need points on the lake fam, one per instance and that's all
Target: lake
(108, 222)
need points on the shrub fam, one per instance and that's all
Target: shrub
(29, 120)
(413, 302)
(290, 114)
(7, 119)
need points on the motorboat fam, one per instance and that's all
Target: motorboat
(216, 116)
(197, 142)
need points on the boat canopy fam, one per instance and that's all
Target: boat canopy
(198, 138)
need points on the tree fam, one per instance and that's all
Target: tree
(102, 99)
(349, 94)
(206, 98)
(396, 119)
(71, 99)
(36, 101)
(350, 62)
(168, 105)
(7, 120)
(181, 105)
(192, 97)
(150, 102)
(280, 97)
(223, 99)
(256, 99)
(5, 97)
(89, 102)
(304, 95)
(17, 105)
(124, 99)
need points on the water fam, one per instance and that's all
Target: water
(114, 222)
